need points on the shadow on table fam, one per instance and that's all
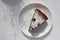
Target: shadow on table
(38, 31)
(11, 3)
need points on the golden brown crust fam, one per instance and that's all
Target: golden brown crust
(30, 28)
(41, 14)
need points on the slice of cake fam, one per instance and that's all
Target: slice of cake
(37, 19)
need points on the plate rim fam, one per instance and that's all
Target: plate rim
(42, 5)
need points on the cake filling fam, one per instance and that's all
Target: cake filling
(36, 19)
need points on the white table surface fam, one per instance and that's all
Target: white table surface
(9, 24)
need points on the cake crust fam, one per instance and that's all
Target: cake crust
(41, 14)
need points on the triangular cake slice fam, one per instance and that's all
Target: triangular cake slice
(37, 19)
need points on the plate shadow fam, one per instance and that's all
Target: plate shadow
(39, 29)
(40, 38)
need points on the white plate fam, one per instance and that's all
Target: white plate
(25, 19)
